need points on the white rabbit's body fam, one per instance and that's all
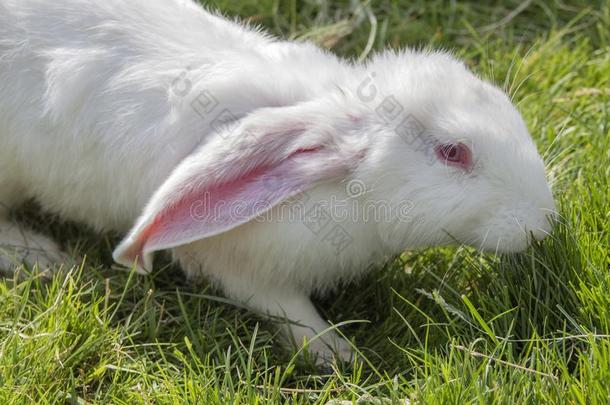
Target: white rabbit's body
(107, 110)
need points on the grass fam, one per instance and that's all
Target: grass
(442, 326)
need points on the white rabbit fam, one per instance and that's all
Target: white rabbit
(274, 168)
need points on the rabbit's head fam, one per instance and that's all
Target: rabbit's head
(457, 148)
(409, 127)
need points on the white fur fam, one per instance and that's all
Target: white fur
(97, 124)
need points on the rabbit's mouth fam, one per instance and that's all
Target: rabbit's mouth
(513, 230)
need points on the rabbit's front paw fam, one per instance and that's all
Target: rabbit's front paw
(20, 246)
(329, 348)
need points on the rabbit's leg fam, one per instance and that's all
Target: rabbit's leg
(19, 245)
(299, 318)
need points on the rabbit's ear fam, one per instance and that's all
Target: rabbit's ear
(270, 156)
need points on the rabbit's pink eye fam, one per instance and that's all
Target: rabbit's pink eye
(454, 154)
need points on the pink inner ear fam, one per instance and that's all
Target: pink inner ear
(213, 209)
